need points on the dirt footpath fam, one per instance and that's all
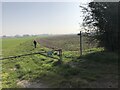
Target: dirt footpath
(27, 84)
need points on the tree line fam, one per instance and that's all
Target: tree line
(102, 20)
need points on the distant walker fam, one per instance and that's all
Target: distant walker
(35, 43)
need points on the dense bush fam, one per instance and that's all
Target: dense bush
(102, 22)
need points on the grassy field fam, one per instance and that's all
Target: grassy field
(67, 42)
(13, 45)
(95, 69)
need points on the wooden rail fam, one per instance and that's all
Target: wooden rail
(41, 53)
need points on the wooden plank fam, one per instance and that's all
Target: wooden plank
(41, 53)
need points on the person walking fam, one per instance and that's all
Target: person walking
(35, 43)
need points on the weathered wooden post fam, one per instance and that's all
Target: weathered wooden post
(60, 56)
(80, 34)
(60, 52)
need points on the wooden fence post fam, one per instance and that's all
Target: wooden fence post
(60, 54)
(80, 34)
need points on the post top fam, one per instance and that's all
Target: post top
(79, 33)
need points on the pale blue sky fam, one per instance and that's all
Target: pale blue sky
(40, 18)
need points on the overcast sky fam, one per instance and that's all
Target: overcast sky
(41, 17)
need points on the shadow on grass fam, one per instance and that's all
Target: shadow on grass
(74, 73)
(101, 57)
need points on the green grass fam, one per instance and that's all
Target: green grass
(74, 71)
(13, 45)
